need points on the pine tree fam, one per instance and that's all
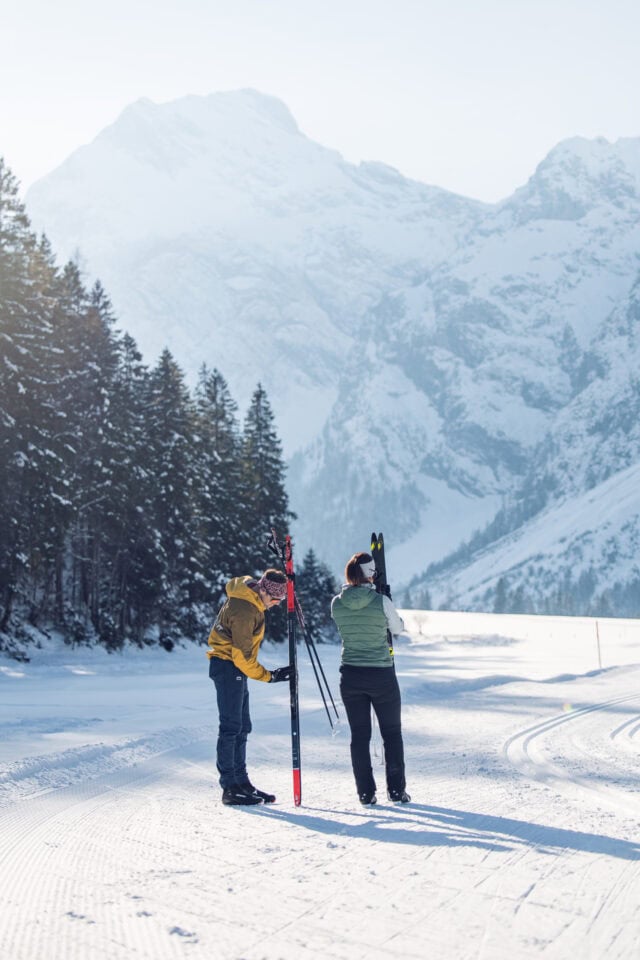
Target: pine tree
(316, 587)
(219, 476)
(92, 358)
(53, 481)
(130, 596)
(424, 601)
(264, 491)
(264, 497)
(500, 601)
(171, 438)
(518, 601)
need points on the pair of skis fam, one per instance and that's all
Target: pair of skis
(295, 619)
(381, 582)
(377, 552)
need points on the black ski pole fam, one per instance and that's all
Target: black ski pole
(313, 653)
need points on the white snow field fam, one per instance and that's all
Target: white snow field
(522, 739)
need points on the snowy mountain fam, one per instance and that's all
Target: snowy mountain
(224, 233)
(476, 366)
(431, 360)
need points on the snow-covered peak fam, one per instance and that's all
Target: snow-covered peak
(578, 175)
(234, 110)
(241, 125)
(232, 163)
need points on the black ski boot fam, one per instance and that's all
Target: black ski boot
(368, 799)
(398, 796)
(236, 796)
(252, 791)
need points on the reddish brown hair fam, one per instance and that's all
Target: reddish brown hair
(353, 572)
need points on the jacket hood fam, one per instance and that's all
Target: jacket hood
(356, 598)
(240, 589)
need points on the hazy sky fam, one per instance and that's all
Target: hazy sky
(465, 94)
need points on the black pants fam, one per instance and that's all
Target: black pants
(362, 688)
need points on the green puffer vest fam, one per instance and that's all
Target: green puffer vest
(359, 616)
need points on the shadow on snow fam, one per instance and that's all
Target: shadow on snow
(430, 826)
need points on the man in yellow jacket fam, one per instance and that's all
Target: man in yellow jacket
(235, 641)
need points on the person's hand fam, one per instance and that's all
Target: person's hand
(280, 673)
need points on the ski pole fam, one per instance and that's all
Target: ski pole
(293, 679)
(313, 652)
(276, 548)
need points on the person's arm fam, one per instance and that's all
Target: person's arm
(243, 649)
(395, 622)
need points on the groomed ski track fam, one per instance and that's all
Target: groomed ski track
(522, 841)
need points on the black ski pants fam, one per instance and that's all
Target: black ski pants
(362, 688)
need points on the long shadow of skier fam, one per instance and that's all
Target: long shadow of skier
(430, 826)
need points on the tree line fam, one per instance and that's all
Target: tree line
(126, 500)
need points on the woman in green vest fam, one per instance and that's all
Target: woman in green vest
(368, 677)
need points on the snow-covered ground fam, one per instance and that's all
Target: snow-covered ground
(522, 737)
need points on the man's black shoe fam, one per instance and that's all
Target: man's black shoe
(252, 791)
(368, 799)
(238, 797)
(398, 796)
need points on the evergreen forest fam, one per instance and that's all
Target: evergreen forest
(126, 500)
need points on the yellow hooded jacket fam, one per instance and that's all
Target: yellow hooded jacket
(239, 629)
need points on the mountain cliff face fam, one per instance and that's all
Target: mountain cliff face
(431, 360)
(570, 536)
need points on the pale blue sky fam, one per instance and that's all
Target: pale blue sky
(465, 95)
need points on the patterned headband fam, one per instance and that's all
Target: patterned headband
(273, 588)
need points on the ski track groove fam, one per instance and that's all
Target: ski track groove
(524, 749)
(36, 832)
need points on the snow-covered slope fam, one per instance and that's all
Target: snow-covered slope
(430, 359)
(585, 547)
